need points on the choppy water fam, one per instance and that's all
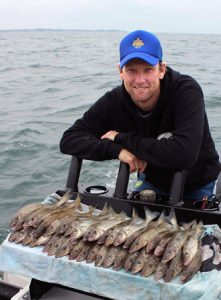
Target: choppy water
(48, 79)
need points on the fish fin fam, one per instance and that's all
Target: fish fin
(150, 215)
(172, 218)
(91, 210)
(189, 225)
(78, 202)
(134, 213)
(134, 216)
(64, 198)
(162, 217)
(105, 209)
(111, 211)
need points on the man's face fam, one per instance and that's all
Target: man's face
(142, 82)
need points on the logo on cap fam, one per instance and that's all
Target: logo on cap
(138, 43)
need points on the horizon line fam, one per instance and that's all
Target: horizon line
(94, 30)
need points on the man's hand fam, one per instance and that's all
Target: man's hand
(135, 163)
(110, 135)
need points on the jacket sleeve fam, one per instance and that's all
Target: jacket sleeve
(182, 150)
(82, 139)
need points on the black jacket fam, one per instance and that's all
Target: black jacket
(180, 110)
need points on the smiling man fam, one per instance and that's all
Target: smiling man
(131, 123)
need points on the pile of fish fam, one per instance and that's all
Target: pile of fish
(156, 244)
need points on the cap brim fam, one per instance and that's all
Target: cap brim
(151, 60)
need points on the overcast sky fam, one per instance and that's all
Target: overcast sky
(186, 16)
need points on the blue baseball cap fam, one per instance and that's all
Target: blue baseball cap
(142, 45)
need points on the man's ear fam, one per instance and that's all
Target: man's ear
(120, 71)
(162, 67)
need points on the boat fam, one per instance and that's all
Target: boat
(16, 287)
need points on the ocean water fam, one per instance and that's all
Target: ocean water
(49, 78)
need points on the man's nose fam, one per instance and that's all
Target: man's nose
(140, 77)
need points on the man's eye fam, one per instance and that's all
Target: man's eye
(148, 70)
(130, 71)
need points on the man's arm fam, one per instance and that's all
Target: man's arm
(181, 151)
(81, 141)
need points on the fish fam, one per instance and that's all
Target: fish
(13, 236)
(111, 237)
(120, 259)
(17, 236)
(160, 270)
(29, 237)
(175, 267)
(76, 249)
(111, 256)
(140, 261)
(64, 249)
(92, 253)
(131, 258)
(150, 266)
(32, 218)
(42, 240)
(41, 215)
(192, 243)
(161, 225)
(103, 214)
(84, 252)
(129, 230)
(102, 239)
(116, 230)
(24, 234)
(104, 225)
(160, 248)
(56, 244)
(175, 245)
(44, 221)
(100, 256)
(193, 267)
(49, 243)
(80, 229)
(154, 242)
(53, 227)
(64, 225)
(171, 219)
(127, 244)
(91, 228)
(19, 217)
(71, 226)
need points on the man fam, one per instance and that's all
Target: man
(132, 123)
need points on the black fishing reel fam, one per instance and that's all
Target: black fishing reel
(208, 203)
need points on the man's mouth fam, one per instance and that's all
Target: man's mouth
(140, 88)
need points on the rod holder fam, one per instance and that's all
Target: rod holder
(177, 187)
(122, 181)
(74, 173)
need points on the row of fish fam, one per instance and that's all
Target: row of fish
(156, 244)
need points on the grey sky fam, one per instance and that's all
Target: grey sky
(187, 16)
